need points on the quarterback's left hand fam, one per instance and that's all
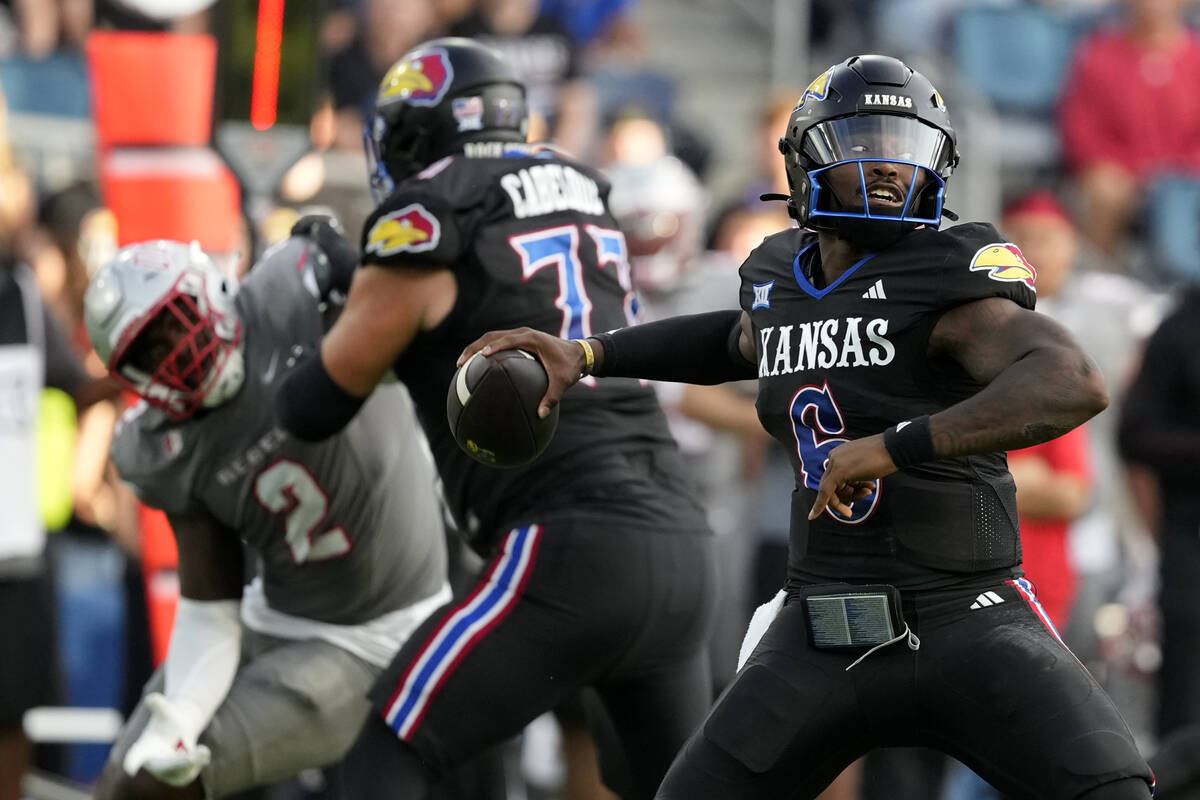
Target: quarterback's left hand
(850, 474)
(167, 748)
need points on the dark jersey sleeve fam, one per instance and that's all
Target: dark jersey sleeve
(418, 225)
(981, 263)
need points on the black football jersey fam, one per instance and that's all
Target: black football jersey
(531, 242)
(850, 360)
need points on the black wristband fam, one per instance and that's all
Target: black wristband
(311, 405)
(909, 442)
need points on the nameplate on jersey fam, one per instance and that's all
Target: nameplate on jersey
(549, 188)
(412, 229)
(844, 616)
(823, 344)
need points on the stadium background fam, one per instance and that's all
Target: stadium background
(225, 124)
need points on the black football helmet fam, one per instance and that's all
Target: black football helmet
(869, 110)
(438, 96)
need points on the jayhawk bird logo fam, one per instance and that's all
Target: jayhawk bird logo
(817, 90)
(412, 229)
(1003, 261)
(422, 80)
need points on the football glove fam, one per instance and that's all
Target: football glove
(329, 235)
(167, 748)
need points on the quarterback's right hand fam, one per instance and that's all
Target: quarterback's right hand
(167, 748)
(562, 359)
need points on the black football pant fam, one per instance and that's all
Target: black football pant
(569, 601)
(992, 686)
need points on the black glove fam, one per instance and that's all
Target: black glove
(328, 234)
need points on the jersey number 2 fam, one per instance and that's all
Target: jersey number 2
(816, 421)
(287, 488)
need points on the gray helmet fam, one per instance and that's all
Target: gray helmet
(160, 315)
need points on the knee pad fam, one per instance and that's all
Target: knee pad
(1124, 789)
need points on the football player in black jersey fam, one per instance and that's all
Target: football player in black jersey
(897, 363)
(601, 566)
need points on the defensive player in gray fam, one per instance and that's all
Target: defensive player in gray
(344, 537)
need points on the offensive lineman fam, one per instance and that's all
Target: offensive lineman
(346, 536)
(601, 570)
(896, 363)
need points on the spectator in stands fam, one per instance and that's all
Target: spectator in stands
(1160, 430)
(46, 25)
(1110, 314)
(34, 352)
(1071, 496)
(769, 175)
(1131, 109)
(604, 29)
(387, 30)
(562, 105)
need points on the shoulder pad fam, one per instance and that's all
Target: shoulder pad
(776, 253)
(413, 226)
(983, 263)
(148, 451)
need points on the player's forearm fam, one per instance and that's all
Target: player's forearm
(1037, 398)
(203, 657)
(696, 348)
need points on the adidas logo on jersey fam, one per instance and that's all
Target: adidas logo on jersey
(987, 599)
(875, 292)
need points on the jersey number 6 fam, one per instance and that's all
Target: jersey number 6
(816, 422)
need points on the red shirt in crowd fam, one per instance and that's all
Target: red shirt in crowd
(1044, 540)
(1135, 107)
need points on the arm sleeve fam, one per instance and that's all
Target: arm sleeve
(696, 348)
(311, 404)
(202, 659)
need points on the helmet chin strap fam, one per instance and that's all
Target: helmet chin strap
(228, 379)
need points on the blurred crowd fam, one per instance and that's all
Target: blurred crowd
(1082, 122)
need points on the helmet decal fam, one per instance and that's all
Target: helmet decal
(1004, 261)
(412, 229)
(422, 80)
(817, 90)
(468, 113)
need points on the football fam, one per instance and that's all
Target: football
(492, 405)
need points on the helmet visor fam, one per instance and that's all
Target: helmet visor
(879, 137)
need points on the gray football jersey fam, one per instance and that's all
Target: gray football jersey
(345, 529)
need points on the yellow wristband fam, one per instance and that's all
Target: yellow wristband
(588, 354)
